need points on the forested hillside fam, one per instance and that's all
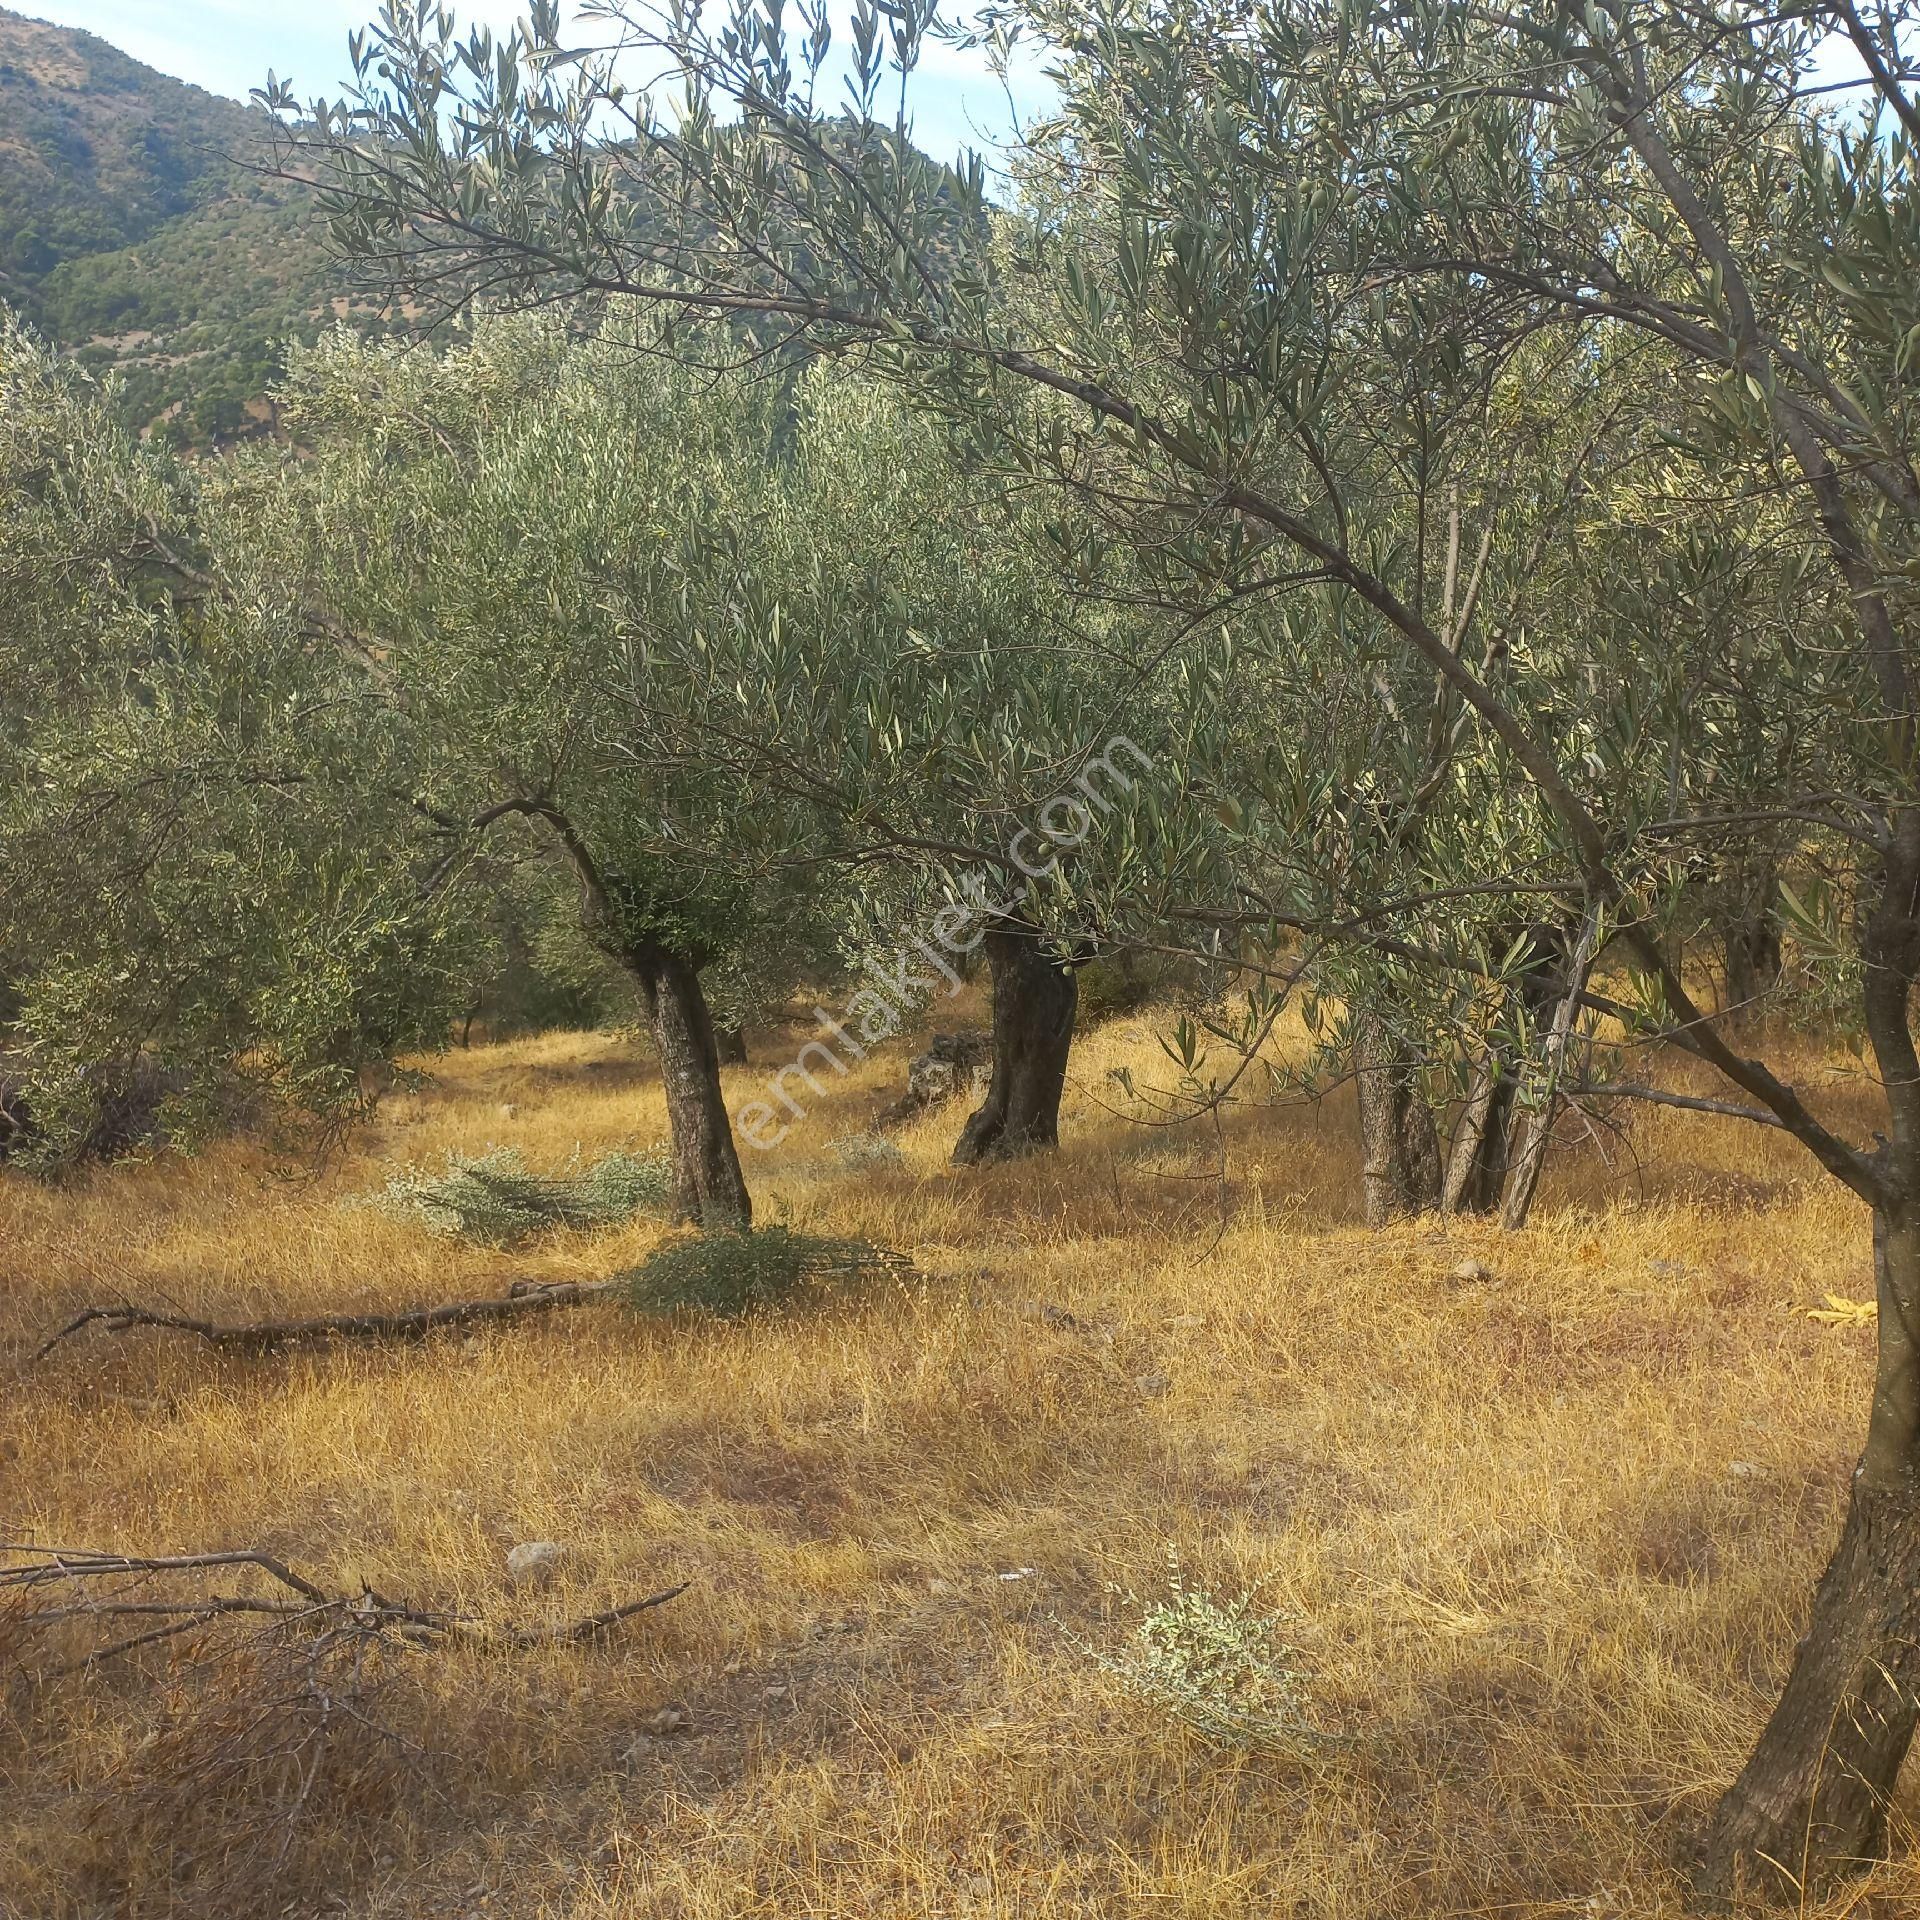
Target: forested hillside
(131, 232)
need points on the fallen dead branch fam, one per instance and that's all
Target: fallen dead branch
(289, 1601)
(265, 1336)
(721, 1273)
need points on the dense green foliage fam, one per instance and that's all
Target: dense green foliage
(203, 821)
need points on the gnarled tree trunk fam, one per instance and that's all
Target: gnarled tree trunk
(708, 1186)
(1035, 997)
(1810, 1806)
(1750, 936)
(1482, 1140)
(1530, 1155)
(1497, 1149)
(1400, 1170)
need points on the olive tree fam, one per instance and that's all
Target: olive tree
(750, 655)
(206, 880)
(994, 741)
(540, 550)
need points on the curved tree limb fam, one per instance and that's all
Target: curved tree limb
(1662, 1097)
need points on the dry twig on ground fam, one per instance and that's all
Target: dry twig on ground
(290, 1600)
(273, 1717)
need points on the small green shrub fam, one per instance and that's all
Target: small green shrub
(1108, 989)
(729, 1274)
(495, 1200)
(1218, 1666)
(863, 1152)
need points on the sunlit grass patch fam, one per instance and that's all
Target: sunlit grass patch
(1542, 1541)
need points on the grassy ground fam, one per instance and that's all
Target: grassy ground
(1542, 1541)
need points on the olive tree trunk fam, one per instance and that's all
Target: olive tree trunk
(1750, 936)
(1035, 997)
(1482, 1140)
(1400, 1172)
(1810, 1806)
(708, 1186)
(1499, 1147)
(1530, 1155)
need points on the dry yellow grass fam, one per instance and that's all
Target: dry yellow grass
(1543, 1543)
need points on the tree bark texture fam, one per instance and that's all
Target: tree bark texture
(1809, 1808)
(1035, 997)
(1400, 1171)
(708, 1186)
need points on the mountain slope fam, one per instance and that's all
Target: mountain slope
(95, 149)
(132, 233)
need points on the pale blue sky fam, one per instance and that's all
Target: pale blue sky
(227, 46)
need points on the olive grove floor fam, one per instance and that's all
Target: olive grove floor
(1541, 1539)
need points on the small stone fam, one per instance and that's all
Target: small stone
(1744, 1470)
(773, 1693)
(1049, 1315)
(1152, 1385)
(937, 1585)
(1473, 1273)
(532, 1562)
(951, 1063)
(1187, 1322)
(668, 1722)
(1018, 1573)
